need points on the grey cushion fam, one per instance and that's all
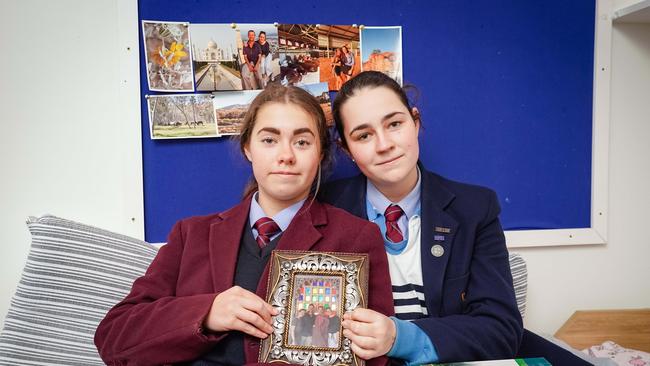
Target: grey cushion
(519, 280)
(74, 274)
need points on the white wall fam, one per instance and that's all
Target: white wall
(615, 275)
(69, 144)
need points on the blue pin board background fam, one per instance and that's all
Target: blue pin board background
(505, 92)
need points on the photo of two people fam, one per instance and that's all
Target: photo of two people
(234, 56)
(259, 55)
(340, 56)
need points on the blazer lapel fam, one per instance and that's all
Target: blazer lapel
(301, 235)
(351, 196)
(356, 195)
(438, 232)
(225, 238)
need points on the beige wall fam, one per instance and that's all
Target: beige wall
(67, 146)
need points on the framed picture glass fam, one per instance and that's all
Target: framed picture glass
(312, 291)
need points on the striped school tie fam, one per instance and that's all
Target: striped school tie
(392, 214)
(266, 228)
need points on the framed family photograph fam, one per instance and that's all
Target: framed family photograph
(312, 291)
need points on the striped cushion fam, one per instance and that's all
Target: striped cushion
(519, 280)
(74, 274)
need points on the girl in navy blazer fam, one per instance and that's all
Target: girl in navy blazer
(452, 287)
(201, 301)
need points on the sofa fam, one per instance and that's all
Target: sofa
(73, 275)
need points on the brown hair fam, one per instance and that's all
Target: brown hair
(275, 93)
(371, 80)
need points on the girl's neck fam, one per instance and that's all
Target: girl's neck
(396, 192)
(272, 206)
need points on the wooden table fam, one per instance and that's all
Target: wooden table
(628, 328)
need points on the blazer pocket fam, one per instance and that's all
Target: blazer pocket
(453, 295)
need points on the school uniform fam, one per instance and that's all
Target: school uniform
(467, 306)
(161, 319)
(469, 312)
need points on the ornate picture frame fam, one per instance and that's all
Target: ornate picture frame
(312, 291)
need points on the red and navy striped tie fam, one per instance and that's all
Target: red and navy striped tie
(392, 214)
(266, 228)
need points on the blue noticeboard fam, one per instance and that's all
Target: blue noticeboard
(505, 92)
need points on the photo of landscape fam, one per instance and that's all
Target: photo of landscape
(181, 116)
(381, 50)
(230, 108)
(215, 57)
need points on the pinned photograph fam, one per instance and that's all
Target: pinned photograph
(181, 116)
(381, 50)
(321, 92)
(311, 291)
(299, 55)
(167, 56)
(340, 58)
(215, 57)
(259, 54)
(230, 109)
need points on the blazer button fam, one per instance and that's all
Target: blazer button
(437, 250)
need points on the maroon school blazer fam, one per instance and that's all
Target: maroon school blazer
(160, 320)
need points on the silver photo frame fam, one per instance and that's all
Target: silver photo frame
(312, 291)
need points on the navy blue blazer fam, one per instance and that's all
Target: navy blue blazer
(468, 290)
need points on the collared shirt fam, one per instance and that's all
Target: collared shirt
(252, 52)
(282, 218)
(409, 223)
(404, 259)
(411, 344)
(409, 204)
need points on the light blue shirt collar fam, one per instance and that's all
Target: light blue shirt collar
(379, 203)
(376, 204)
(282, 218)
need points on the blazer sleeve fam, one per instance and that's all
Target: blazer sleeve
(153, 326)
(380, 293)
(489, 325)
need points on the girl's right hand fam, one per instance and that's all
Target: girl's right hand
(241, 310)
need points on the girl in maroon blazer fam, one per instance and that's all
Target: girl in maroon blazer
(201, 300)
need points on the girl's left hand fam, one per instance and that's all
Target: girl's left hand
(372, 333)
